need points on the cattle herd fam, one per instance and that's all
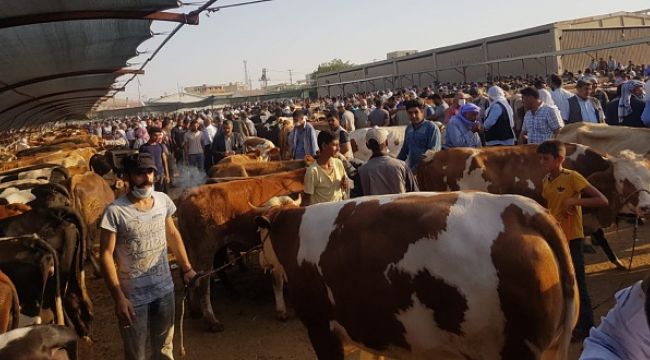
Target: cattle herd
(411, 251)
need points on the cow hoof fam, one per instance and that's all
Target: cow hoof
(589, 249)
(216, 327)
(282, 316)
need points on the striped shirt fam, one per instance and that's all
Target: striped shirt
(541, 124)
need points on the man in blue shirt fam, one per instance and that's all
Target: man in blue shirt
(420, 136)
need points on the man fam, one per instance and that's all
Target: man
(379, 116)
(499, 122)
(383, 174)
(478, 99)
(227, 142)
(325, 179)
(439, 108)
(207, 136)
(339, 133)
(194, 155)
(463, 128)
(178, 139)
(612, 64)
(361, 115)
(593, 65)
(631, 104)
(584, 107)
(541, 122)
(420, 136)
(158, 152)
(599, 94)
(136, 230)
(250, 125)
(560, 96)
(346, 116)
(302, 138)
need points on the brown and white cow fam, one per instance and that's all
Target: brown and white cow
(44, 342)
(608, 139)
(9, 305)
(427, 276)
(624, 180)
(361, 151)
(214, 217)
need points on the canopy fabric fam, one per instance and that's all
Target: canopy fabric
(51, 70)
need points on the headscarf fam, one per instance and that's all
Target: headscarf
(624, 105)
(497, 95)
(545, 96)
(142, 133)
(468, 108)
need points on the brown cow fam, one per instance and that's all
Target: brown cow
(516, 170)
(90, 195)
(254, 168)
(9, 306)
(216, 216)
(7, 211)
(427, 276)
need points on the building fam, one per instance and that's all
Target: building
(543, 50)
(401, 53)
(219, 89)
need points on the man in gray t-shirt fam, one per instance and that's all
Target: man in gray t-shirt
(136, 230)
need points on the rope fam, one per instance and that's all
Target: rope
(201, 275)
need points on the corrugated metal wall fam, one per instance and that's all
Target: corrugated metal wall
(639, 54)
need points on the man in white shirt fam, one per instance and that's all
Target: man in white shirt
(560, 96)
(207, 135)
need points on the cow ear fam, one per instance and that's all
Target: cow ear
(263, 222)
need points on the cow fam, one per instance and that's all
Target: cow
(35, 193)
(623, 180)
(65, 231)
(90, 195)
(427, 275)
(361, 151)
(7, 211)
(51, 172)
(9, 304)
(608, 139)
(226, 170)
(215, 217)
(30, 263)
(44, 342)
(264, 147)
(67, 158)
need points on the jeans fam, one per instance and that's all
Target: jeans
(155, 320)
(586, 316)
(196, 160)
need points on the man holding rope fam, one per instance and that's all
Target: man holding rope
(136, 230)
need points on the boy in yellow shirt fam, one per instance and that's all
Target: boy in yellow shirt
(566, 192)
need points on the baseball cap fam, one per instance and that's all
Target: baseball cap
(377, 134)
(141, 161)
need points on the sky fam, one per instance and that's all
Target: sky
(300, 34)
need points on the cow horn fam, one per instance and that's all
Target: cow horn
(258, 209)
(298, 201)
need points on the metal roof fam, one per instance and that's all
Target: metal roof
(59, 57)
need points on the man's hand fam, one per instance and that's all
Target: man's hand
(569, 205)
(125, 311)
(166, 179)
(476, 128)
(188, 276)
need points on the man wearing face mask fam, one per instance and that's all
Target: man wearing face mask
(136, 230)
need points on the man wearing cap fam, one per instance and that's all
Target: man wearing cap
(136, 230)
(383, 174)
(302, 138)
(583, 107)
(419, 137)
(158, 152)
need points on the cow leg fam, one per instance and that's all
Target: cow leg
(214, 325)
(278, 288)
(325, 343)
(221, 258)
(600, 239)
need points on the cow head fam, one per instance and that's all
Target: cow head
(632, 176)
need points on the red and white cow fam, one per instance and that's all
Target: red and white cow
(462, 275)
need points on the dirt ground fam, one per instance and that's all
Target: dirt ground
(252, 332)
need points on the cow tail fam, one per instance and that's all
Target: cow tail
(58, 304)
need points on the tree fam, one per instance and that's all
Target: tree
(333, 65)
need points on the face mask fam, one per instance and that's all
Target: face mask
(142, 192)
